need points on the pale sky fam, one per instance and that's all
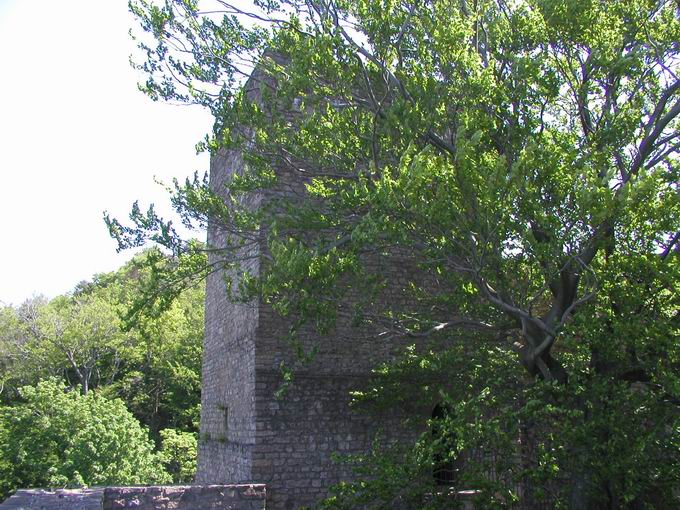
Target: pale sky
(77, 138)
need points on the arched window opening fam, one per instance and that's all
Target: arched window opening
(445, 467)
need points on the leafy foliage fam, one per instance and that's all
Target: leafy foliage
(89, 341)
(59, 438)
(518, 159)
(178, 454)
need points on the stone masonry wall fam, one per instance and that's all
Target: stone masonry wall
(227, 431)
(287, 443)
(297, 435)
(187, 497)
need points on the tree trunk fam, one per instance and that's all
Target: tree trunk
(579, 498)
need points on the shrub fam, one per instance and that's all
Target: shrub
(57, 437)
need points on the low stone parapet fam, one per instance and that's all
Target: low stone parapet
(54, 499)
(168, 497)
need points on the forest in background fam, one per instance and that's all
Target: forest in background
(93, 392)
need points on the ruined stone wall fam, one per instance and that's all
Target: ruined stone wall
(227, 431)
(287, 443)
(176, 497)
(297, 435)
(189, 497)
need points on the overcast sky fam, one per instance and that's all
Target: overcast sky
(77, 138)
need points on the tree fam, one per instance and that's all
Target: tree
(12, 337)
(85, 331)
(178, 454)
(88, 339)
(523, 155)
(57, 437)
(161, 383)
(76, 336)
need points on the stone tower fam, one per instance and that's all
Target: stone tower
(247, 435)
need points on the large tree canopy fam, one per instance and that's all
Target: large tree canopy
(522, 155)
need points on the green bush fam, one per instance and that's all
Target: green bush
(59, 438)
(178, 454)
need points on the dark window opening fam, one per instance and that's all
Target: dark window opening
(226, 421)
(445, 467)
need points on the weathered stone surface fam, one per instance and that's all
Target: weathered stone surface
(39, 499)
(176, 497)
(246, 434)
